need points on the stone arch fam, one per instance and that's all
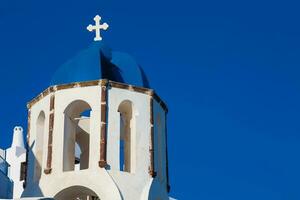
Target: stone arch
(127, 133)
(75, 193)
(76, 131)
(40, 132)
(101, 183)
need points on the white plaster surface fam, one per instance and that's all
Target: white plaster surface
(15, 155)
(110, 183)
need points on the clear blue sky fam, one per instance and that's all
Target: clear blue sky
(229, 71)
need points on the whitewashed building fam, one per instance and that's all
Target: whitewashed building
(13, 166)
(97, 132)
(120, 129)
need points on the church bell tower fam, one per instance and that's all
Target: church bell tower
(99, 132)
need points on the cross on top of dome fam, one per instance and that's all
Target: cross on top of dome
(97, 28)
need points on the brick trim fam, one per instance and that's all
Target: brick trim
(151, 146)
(48, 169)
(52, 89)
(103, 133)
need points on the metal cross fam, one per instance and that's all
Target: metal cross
(97, 27)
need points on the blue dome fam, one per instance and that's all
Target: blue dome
(100, 62)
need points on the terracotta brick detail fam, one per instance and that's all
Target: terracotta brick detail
(103, 113)
(50, 136)
(105, 84)
(102, 82)
(47, 171)
(102, 164)
(52, 101)
(119, 85)
(88, 83)
(66, 86)
(151, 146)
(103, 136)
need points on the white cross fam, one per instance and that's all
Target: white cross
(97, 27)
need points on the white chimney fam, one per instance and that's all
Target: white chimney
(18, 140)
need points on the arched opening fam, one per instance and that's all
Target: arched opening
(40, 132)
(76, 136)
(126, 134)
(77, 193)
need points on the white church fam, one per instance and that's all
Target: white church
(98, 132)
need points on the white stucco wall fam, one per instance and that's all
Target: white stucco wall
(110, 183)
(94, 177)
(15, 155)
(131, 184)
